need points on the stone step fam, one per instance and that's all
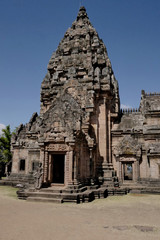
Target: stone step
(10, 183)
(100, 193)
(52, 195)
(79, 190)
(43, 199)
(64, 197)
(135, 191)
(94, 187)
(65, 190)
(43, 194)
(85, 196)
(150, 192)
(146, 190)
(116, 193)
(70, 201)
(125, 185)
(47, 190)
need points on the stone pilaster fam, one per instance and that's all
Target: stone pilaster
(109, 137)
(75, 170)
(50, 168)
(70, 180)
(42, 159)
(46, 162)
(103, 130)
(105, 142)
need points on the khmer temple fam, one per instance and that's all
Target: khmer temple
(84, 144)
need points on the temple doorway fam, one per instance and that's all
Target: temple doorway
(128, 171)
(58, 168)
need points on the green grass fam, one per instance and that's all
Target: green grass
(7, 191)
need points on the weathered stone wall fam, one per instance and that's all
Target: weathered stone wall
(19, 154)
(142, 127)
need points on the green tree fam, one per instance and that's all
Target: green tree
(5, 145)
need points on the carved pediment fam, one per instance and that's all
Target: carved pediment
(63, 118)
(128, 146)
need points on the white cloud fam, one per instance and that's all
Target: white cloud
(2, 126)
(123, 106)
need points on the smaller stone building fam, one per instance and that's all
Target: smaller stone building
(136, 141)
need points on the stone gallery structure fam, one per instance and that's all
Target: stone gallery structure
(81, 137)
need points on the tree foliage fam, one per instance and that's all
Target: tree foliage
(5, 145)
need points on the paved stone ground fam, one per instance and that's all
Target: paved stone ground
(127, 217)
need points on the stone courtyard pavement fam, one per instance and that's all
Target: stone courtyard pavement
(126, 217)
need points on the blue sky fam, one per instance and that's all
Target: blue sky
(31, 30)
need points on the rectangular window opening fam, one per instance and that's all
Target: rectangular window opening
(35, 165)
(22, 165)
(128, 171)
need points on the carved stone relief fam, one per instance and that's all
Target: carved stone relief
(128, 146)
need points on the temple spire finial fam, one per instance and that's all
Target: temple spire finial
(82, 13)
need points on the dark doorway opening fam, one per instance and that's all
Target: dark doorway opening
(58, 168)
(22, 165)
(128, 171)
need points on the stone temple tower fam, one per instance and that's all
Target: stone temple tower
(71, 137)
(81, 141)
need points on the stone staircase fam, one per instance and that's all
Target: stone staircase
(143, 186)
(78, 194)
(18, 179)
(69, 194)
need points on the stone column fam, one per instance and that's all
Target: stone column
(70, 180)
(91, 165)
(133, 171)
(109, 137)
(137, 170)
(75, 170)
(103, 130)
(66, 168)
(46, 167)
(49, 168)
(42, 160)
(120, 171)
(105, 142)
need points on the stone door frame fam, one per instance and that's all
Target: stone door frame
(124, 172)
(51, 166)
(135, 167)
(57, 148)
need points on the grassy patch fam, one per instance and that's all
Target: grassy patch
(6, 191)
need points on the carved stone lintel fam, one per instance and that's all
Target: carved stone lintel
(57, 147)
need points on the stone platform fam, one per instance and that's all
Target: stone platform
(18, 179)
(75, 195)
(146, 186)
